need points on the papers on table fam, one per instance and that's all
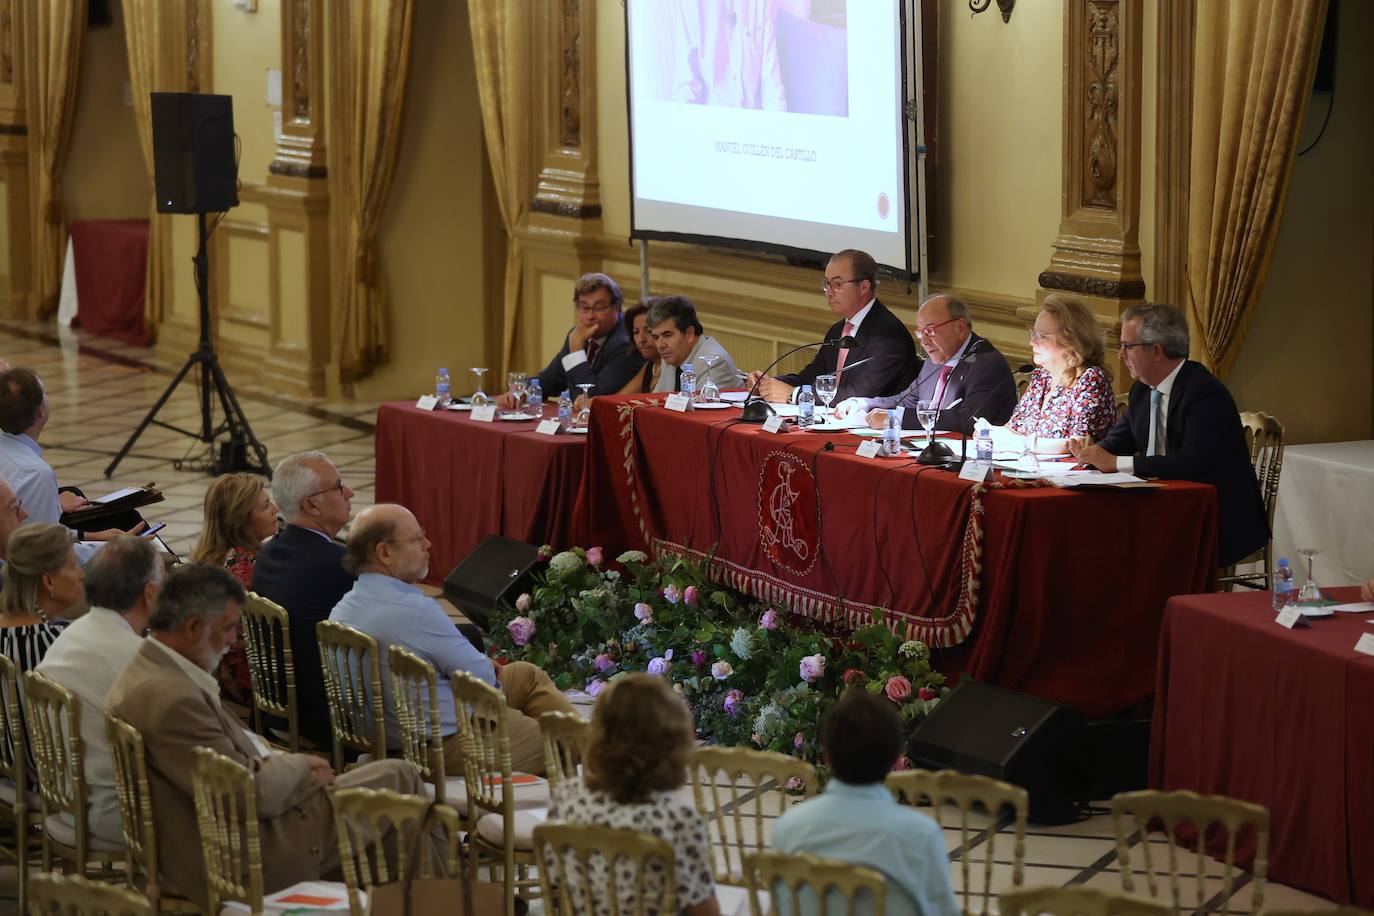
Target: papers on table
(1013, 444)
(1354, 607)
(305, 897)
(1068, 478)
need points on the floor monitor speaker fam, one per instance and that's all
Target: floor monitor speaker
(194, 165)
(499, 568)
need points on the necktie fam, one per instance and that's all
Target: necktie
(1156, 440)
(844, 354)
(592, 349)
(945, 371)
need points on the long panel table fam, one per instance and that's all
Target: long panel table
(1284, 718)
(1055, 593)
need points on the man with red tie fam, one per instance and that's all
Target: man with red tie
(883, 354)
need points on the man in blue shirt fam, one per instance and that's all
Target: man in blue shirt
(389, 553)
(857, 820)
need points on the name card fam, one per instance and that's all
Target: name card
(1290, 617)
(484, 414)
(976, 471)
(677, 402)
(1365, 644)
(547, 427)
(773, 424)
(869, 449)
(427, 402)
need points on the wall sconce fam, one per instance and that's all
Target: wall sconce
(978, 6)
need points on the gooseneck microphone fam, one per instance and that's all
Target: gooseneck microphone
(758, 411)
(937, 452)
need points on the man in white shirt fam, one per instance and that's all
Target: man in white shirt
(122, 584)
(678, 333)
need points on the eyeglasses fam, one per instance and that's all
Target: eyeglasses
(414, 539)
(1131, 346)
(595, 309)
(930, 329)
(1037, 336)
(837, 283)
(336, 485)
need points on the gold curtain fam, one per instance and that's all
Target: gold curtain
(146, 25)
(499, 36)
(373, 40)
(52, 31)
(1253, 76)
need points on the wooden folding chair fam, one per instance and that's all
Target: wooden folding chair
(580, 870)
(809, 879)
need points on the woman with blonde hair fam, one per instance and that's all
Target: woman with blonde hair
(239, 516)
(1070, 393)
(641, 743)
(42, 582)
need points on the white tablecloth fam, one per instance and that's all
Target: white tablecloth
(1326, 502)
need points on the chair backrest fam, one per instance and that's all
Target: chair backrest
(227, 818)
(1197, 815)
(737, 791)
(581, 867)
(135, 803)
(967, 792)
(415, 694)
(826, 879)
(271, 667)
(14, 762)
(362, 815)
(73, 895)
(52, 713)
(486, 746)
(566, 736)
(353, 683)
(1076, 901)
(1264, 435)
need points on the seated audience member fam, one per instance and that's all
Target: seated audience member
(122, 584)
(12, 515)
(642, 740)
(302, 570)
(1070, 394)
(1181, 424)
(964, 374)
(597, 349)
(167, 693)
(24, 413)
(881, 341)
(678, 335)
(239, 516)
(857, 820)
(42, 581)
(389, 553)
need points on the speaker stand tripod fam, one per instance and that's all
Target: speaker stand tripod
(235, 453)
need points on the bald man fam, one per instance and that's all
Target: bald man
(389, 553)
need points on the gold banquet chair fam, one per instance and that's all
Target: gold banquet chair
(1076, 901)
(52, 713)
(1264, 436)
(1172, 810)
(415, 693)
(20, 803)
(72, 895)
(968, 791)
(566, 853)
(271, 668)
(737, 791)
(353, 685)
(566, 737)
(824, 879)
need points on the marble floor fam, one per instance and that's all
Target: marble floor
(99, 390)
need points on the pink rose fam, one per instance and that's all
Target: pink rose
(926, 693)
(544, 553)
(604, 662)
(852, 675)
(521, 629)
(769, 620)
(690, 594)
(733, 702)
(522, 604)
(813, 667)
(671, 594)
(798, 740)
(644, 613)
(594, 556)
(721, 670)
(898, 689)
(595, 686)
(795, 783)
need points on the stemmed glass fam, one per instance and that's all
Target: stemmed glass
(825, 390)
(1309, 595)
(925, 414)
(709, 392)
(519, 389)
(1029, 461)
(584, 416)
(479, 397)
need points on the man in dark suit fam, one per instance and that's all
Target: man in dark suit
(881, 342)
(302, 570)
(1181, 424)
(596, 350)
(963, 374)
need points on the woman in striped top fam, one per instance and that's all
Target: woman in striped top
(42, 582)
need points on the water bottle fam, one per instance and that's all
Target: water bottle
(564, 411)
(806, 407)
(892, 436)
(687, 383)
(442, 388)
(982, 441)
(536, 397)
(1283, 585)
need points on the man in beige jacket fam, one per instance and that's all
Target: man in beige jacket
(169, 694)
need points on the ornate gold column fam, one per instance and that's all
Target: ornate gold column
(15, 250)
(1097, 253)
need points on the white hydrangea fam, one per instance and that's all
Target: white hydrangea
(632, 556)
(566, 561)
(914, 649)
(741, 642)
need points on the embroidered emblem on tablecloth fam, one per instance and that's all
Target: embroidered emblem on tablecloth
(789, 513)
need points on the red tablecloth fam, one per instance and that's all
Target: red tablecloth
(466, 480)
(1067, 603)
(111, 260)
(1284, 718)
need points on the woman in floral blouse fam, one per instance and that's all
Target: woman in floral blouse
(1070, 394)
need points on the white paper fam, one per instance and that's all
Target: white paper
(547, 427)
(785, 410)
(1091, 479)
(869, 449)
(117, 494)
(484, 414)
(677, 402)
(1004, 440)
(976, 471)
(1288, 617)
(427, 402)
(772, 424)
(1365, 644)
(1354, 607)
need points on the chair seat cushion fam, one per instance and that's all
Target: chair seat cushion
(65, 834)
(534, 795)
(490, 828)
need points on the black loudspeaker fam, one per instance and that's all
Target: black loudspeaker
(1031, 743)
(498, 569)
(194, 168)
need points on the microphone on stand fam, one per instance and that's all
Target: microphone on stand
(963, 443)
(758, 411)
(938, 452)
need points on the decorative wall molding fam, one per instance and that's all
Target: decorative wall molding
(300, 150)
(563, 61)
(1093, 286)
(7, 41)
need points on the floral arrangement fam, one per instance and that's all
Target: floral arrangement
(750, 673)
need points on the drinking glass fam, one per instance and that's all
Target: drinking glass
(825, 390)
(584, 416)
(925, 414)
(518, 383)
(1029, 462)
(708, 392)
(479, 397)
(1310, 595)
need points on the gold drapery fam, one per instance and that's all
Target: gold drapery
(52, 32)
(1253, 75)
(499, 38)
(146, 22)
(373, 41)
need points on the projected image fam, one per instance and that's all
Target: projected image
(771, 55)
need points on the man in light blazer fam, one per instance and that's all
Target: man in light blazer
(169, 694)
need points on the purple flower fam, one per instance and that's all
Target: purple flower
(795, 784)
(659, 666)
(522, 604)
(733, 702)
(544, 552)
(813, 667)
(690, 594)
(595, 686)
(721, 670)
(769, 620)
(604, 662)
(594, 556)
(798, 740)
(521, 629)
(671, 594)
(698, 658)
(644, 613)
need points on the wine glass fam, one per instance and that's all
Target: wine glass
(709, 392)
(1029, 462)
(479, 397)
(584, 416)
(925, 415)
(1309, 595)
(518, 383)
(825, 390)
